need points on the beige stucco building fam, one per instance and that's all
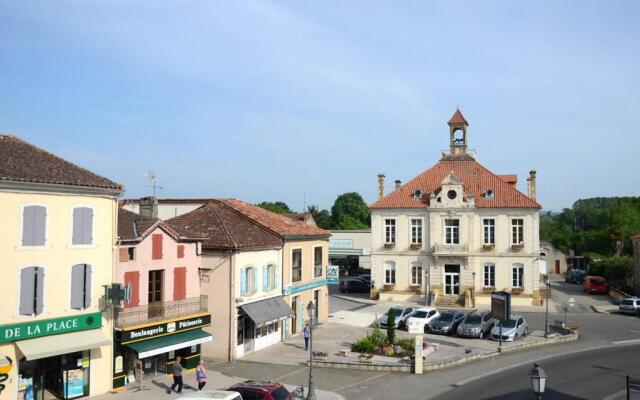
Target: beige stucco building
(456, 232)
(57, 243)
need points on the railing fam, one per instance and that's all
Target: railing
(450, 249)
(159, 311)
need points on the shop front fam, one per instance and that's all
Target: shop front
(54, 356)
(259, 324)
(152, 348)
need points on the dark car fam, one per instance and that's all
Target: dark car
(259, 390)
(476, 325)
(575, 276)
(353, 285)
(594, 284)
(447, 323)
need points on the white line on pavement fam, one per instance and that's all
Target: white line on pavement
(626, 341)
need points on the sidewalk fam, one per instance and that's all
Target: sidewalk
(156, 387)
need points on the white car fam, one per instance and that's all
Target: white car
(421, 318)
(512, 329)
(402, 314)
(212, 395)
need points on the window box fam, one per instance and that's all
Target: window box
(389, 245)
(388, 286)
(517, 291)
(517, 247)
(488, 246)
(488, 289)
(416, 246)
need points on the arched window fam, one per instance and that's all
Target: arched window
(389, 273)
(416, 273)
(489, 276)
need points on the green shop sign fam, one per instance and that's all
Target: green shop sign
(164, 328)
(47, 327)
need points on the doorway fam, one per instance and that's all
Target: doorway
(558, 267)
(156, 279)
(452, 280)
(316, 302)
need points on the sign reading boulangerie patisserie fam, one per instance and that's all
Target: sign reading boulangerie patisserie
(162, 328)
(47, 327)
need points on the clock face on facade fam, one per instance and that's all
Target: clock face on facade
(451, 194)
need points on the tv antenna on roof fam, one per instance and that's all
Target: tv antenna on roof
(153, 178)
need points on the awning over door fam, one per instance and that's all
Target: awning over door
(165, 344)
(268, 310)
(47, 346)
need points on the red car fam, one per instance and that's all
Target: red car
(257, 390)
(594, 284)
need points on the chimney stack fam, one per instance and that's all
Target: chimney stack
(380, 186)
(531, 184)
(398, 182)
(149, 207)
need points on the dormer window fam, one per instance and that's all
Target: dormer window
(417, 194)
(489, 194)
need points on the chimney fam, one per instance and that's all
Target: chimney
(380, 186)
(149, 207)
(531, 184)
(398, 182)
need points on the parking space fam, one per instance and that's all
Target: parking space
(561, 291)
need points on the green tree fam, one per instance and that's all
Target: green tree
(350, 211)
(391, 326)
(279, 207)
(322, 217)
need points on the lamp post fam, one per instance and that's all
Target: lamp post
(546, 314)
(538, 380)
(473, 289)
(311, 309)
(567, 307)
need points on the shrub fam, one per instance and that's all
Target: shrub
(389, 352)
(391, 326)
(364, 345)
(376, 335)
(406, 344)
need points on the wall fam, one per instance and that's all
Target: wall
(258, 259)
(57, 257)
(166, 210)
(551, 255)
(144, 263)
(215, 283)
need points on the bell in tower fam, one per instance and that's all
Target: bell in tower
(458, 133)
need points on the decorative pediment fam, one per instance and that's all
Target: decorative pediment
(451, 179)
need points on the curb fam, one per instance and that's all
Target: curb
(356, 300)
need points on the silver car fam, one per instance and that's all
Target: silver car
(514, 328)
(629, 306)
(476, 325)
(402, 314)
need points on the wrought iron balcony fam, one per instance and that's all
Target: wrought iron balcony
(159, 311)
(450, 250)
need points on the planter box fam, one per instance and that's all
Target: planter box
(389, 245)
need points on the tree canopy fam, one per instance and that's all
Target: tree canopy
(350, 211)
(279, 207)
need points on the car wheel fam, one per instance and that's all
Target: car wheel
(481, 336)
(526, 331)
(515, 337)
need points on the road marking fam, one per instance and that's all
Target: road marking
(619, 395)
(632, 330)
(363, 381)
(291, 373)
(626, 341)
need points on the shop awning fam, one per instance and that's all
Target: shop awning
(268, 310)
(47, 346)
(165, 344)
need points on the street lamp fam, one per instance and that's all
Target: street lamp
(538, 380)
(568, 307)
(311, 309)
(546, 314)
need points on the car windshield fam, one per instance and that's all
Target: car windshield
(419, 314)
(627, 302)
(398, 311)
(280, 394)
(509, 324)
(446, 317)
(473, 319)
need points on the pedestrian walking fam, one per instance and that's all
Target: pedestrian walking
(177, 376)
(306, 334)
(201, 375)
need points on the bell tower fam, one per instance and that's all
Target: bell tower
(458, 133)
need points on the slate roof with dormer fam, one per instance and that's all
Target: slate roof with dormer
(475, 178)
(23, 162)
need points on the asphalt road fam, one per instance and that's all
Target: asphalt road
(593, 374)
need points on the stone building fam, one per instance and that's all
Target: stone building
(456, 231)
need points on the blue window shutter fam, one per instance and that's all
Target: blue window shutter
(39, 291)
(243, 282)
(76, 237)
(256, 280)
(265, 277)
(40, 225)
(77, 286)
(27, 279)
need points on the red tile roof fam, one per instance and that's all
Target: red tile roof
(476, 181)
(511, 179)
(457, 118)
(223, 228)
(23, 162)
(134, 227)
(277, 223)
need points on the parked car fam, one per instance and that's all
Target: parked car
(354, 285)
(365, 277)
(447, 322)
(419, 321)
(630, 306)
(594, 284)
(512, 329)
(212, 395)
(575, 276)
(476, 325)
(402, 314)
(259, 390)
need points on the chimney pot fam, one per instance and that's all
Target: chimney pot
(149, 207)
(531, 184)
(380, 186)
(398, 182)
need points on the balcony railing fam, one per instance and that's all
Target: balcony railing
(159, 311)
(451, 250)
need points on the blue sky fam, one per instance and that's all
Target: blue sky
(264, 100)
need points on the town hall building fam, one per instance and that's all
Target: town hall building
(455, 233)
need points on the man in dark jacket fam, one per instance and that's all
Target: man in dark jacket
(177, 375)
